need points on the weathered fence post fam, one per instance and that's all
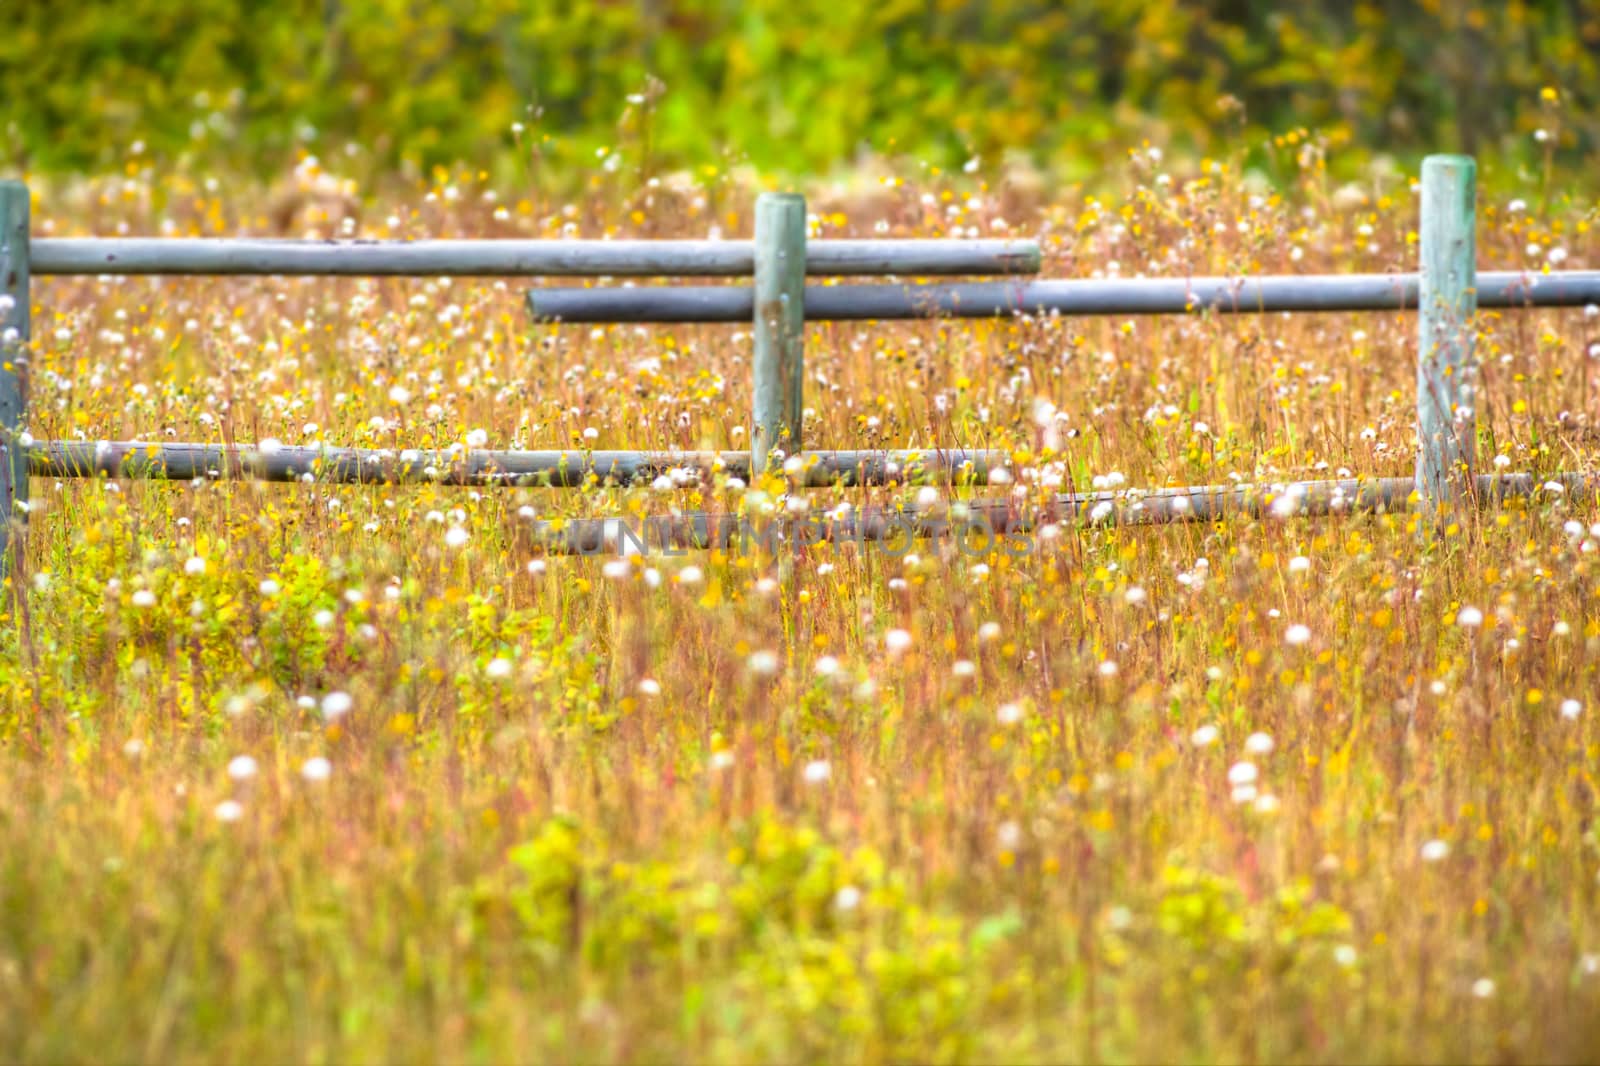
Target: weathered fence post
(780, 275)
(14, 309)
(1447, 370)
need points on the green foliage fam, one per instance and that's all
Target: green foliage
(790, 86)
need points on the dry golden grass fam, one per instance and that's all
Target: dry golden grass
(1100, 801)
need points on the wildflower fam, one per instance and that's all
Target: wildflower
(1008, 835)
(1435, 851)
(897, 641)
(1482, 988)
(457, 537)
(1108, 669)
(1469, 618)
(242, 768)
(817, 772)
(1259, 744)
(478, 438)
(1009, 713)
(322, 619)
(1242, 773)
(1297, 635)
(144, 598)
(989, 631)
(1243, 793)
(649, 686)
(763, 663)
(1135, 595)
(1345, 955)
(615, 569)
(229, 811)
(1299, 565)
(690, 575)
(847, 898)
(1570, 709)
(827, 666)
(963, 668)
(1266, 803)
(316, 769)
(195, 565)
(721, 760)
(133, 748)
(498, 668)
(335, 705)
(1204, 737)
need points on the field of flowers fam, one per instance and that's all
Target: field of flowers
(353, 773)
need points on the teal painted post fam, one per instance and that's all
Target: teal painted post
(14, 308)
(1447, 369)
(780, 273)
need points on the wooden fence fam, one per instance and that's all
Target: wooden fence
(1446, 291)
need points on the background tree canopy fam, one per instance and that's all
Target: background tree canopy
(787, 85)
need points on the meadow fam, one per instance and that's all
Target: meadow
(356, 774)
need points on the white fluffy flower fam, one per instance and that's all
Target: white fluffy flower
(1259, 744)
(335, 705)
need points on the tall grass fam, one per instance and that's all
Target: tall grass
(1271, 791)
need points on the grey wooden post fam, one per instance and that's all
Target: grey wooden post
(1447, 369)
(779, 372)
(14, 308)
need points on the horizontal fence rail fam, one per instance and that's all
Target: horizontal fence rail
(978, 524)
(1132, 296)
(554, 469)
(516, 258)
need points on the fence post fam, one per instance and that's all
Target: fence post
(779, 374)
(14, 333)
(1447, 369)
